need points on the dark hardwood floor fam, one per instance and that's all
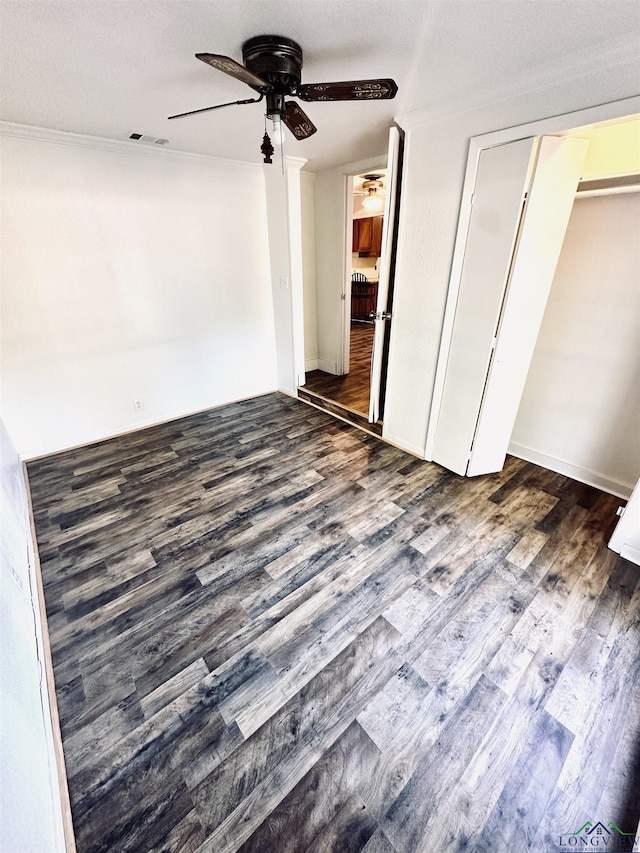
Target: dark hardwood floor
(351, 390)
(273, 632)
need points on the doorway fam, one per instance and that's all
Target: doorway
(354, 386)
(504, 348)
(363, 235)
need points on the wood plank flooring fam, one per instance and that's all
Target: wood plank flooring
(351, 390)
(272, 632)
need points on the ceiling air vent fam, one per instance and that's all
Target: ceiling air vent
(148, 140)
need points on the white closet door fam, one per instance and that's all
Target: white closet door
(626, 537)
(501, 182)
(384, 273)
(546, 216)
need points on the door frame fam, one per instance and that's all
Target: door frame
(560, 125)
(349, 173)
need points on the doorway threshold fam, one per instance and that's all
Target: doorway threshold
(343, 412)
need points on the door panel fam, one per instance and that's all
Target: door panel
(388, 229)
(555, 179)
(501, 183)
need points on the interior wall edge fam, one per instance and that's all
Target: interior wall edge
(576, 472)
(35, 811)
(54, 718)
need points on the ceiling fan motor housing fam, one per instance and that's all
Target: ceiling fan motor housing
(276, 59)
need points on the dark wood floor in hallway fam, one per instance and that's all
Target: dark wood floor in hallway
(272, 632)
(352, 389)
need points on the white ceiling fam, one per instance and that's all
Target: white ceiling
(112, 67)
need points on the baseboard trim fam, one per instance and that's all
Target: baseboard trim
(630, 553)
(414, 450)
(327, 366)
(576, 472)
(311, 364)
(146, 424)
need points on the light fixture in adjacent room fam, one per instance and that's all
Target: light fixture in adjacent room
(373, 200)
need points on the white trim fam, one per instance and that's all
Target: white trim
(546, 126)
(327, 366)
(295, 162)
(349, 172)
(290, 392)
(311, 364)
(607, 191)
(628, 552)
(31, 133)
(352, 169)
(296, 266)
(413, 449)
(576, 472)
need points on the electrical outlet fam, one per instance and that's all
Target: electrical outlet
(137, 404)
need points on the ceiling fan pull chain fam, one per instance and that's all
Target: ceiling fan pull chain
(219, 106)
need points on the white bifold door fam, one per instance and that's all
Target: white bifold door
(522, 200)
(384, 278)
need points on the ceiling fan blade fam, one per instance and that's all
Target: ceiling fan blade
(351, 90)
(297, 121)
(230, 66)
(217, 107)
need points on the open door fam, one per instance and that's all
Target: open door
(387, 263)
(522, 201)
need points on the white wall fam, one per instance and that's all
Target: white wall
(128, 274)
(613, 149)
(580, 410)
(436, 147)
(30, 811)
(307, 192)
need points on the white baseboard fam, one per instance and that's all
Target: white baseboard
(327, 366)
(630, 553)
(311, 364)
(576, 472)
(414, 450)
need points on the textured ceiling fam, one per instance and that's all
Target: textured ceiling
(112, 67)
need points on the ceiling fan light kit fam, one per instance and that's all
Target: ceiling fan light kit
(273, 68)
(372, 200)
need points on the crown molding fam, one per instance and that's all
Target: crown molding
(296, 162)
(47, 135)
(621, 51)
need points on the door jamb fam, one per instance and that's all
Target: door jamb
(560, 125)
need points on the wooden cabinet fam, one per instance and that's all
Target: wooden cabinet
(367, 236)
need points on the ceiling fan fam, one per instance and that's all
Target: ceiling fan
(373, 192)
(272, 67)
